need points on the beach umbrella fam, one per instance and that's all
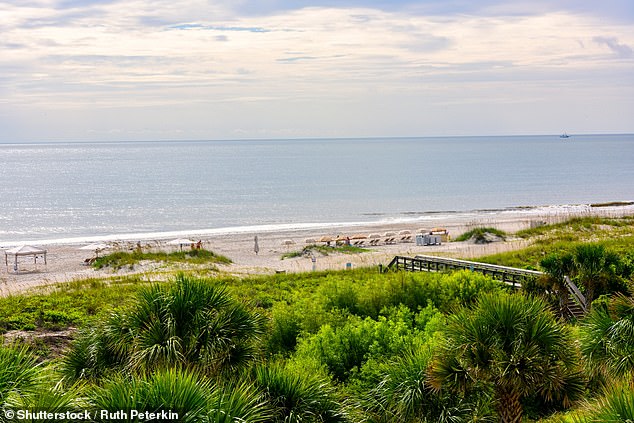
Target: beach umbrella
(288, 242)
(374, 236)
(310, 241)
(326, 239)
(181, 241)
(359, 236)
(405, 232)
(423, 231)
(96, 247)
(390, 234)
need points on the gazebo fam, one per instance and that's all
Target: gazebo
(24, 250)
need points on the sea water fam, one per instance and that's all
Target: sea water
(54, 191)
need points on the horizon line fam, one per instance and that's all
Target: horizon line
(376, 137)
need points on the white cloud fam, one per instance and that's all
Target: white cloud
(139, 63)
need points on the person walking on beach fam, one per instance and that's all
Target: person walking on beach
(256, 247)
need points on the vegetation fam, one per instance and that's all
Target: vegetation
(188, 324)
(481, 235)
(616, 235)
(120, 259)
(347, 346)
(68, 305)
(324, 250)
(514, 346)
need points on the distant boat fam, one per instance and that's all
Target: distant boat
(564, 135)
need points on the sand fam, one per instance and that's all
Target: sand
(65, 262)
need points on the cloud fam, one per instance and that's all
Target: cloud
(622, 50)
(367, 64)
(198, 26)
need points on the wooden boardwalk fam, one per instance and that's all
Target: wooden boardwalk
(509, 275)
(575, 303)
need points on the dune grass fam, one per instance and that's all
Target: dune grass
(479, 234)
(616, 234)
(324, 250)
(69, 304)
(122, 259)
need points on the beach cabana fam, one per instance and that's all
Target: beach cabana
(24, 250)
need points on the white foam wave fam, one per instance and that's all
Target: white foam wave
(565, 210)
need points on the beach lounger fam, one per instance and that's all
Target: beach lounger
(89, 261)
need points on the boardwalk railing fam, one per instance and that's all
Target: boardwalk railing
(577, 297)
(509, 275)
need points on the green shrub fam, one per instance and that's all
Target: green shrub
(344, 350)
(479, 235)
(168, 390)
(295, 397)
(190, 323)
(120, 259)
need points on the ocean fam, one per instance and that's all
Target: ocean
(61, 192)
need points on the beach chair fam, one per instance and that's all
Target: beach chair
(89, 261)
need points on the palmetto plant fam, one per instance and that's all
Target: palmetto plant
(296, 398)
(557, 266)
(24, 385)
(516, 345)
(617, 405)
(595, 267)
(190, 323)
(236, 402)
(165, 390)
(404, 393)
(607, 337)
(18, 373)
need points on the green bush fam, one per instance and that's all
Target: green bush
(189, 323)
(344, 350)
(479, 235)
(120, 259)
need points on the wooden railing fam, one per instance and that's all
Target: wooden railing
(576, 295)
(509, 275)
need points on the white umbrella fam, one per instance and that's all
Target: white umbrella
(95, 247)
(181, 241)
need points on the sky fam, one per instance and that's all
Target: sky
(117, 70)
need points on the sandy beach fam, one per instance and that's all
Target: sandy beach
(65, 261)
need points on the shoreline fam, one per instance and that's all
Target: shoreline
(546, 212)
(65, 260)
